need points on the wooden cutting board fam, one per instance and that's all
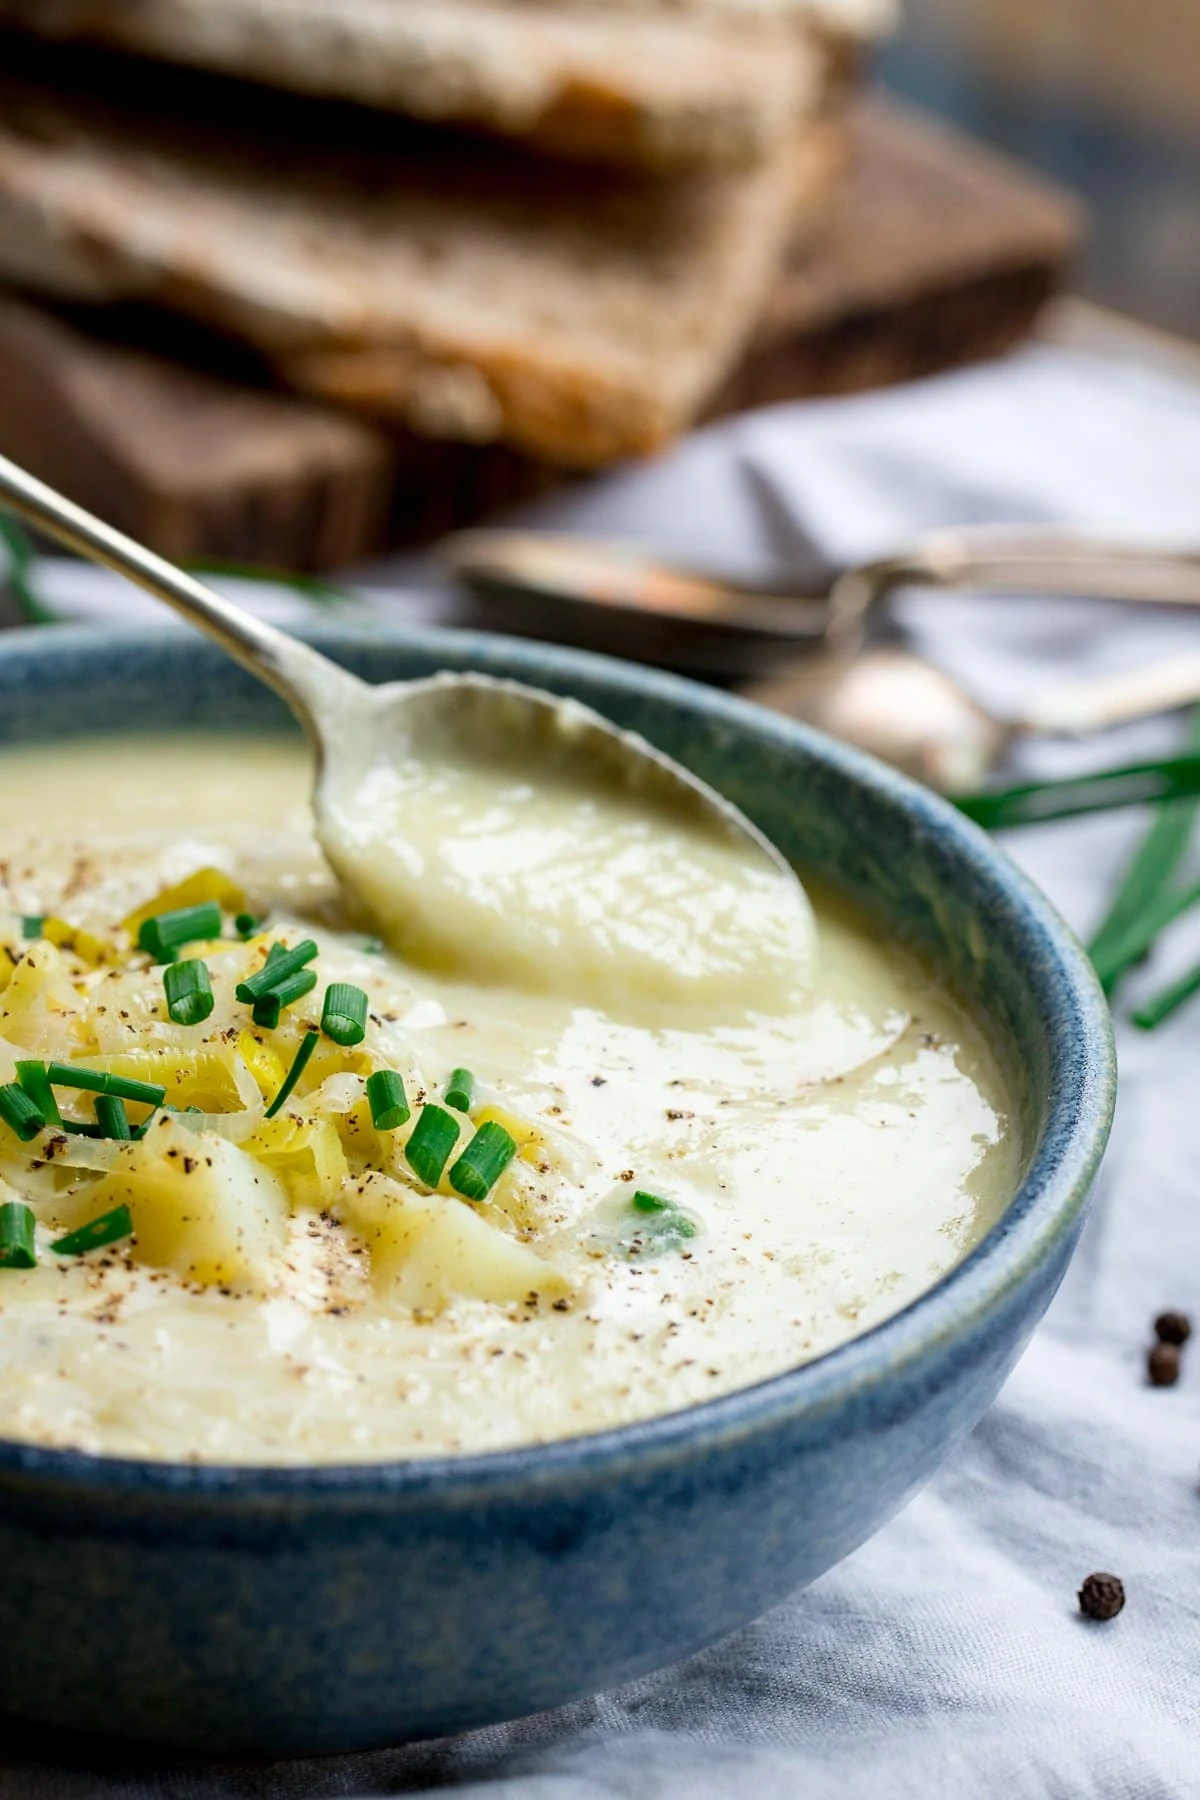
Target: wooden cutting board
(940, 252)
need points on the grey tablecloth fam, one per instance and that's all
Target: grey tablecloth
(946, 1658)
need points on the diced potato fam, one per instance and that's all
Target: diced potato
(528, 1137)
(427, 1251)
(513, 1196)
(200, 1206)
(365, 1146)
(307, 1154)
(383, 1151)
(40, 1003)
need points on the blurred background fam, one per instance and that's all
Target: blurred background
(298, 284)
(1104, 95)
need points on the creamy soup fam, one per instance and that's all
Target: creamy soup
(508, 1201)
(533, 863)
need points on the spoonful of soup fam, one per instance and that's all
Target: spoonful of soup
(495, 832)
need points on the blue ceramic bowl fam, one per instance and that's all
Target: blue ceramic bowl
(272, 1612)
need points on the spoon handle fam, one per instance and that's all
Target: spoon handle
(1108, 700)
(1021, 560)
(310, 684)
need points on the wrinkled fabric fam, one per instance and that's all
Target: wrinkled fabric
(946, 1658)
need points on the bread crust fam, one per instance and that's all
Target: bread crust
(661, 85)
(473, 294)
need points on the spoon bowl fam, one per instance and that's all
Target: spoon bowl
(363, 734)
(897, 706)
(908, 712)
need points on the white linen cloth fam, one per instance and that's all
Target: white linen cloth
(946, 1660)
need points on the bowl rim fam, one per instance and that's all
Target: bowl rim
(1043, 1211)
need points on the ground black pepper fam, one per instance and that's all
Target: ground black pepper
(1173, 1328)
(1101, 1597)
(1162, 1365)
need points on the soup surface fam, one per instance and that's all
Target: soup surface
(636, 1208)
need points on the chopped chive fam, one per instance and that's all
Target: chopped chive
(667, 1224)
(483, 1161)
(18, 1246)
(460, 1090)
(664, 1230)
(300, 1062)
(22, 559)
(1115, 952)
(99, 1081)
(32, 925)
(650, 1203)
(189, 992)
(428, 1149)
(1164, 1004)
(344, 1014)
(268, 1009)
(166, 933)
(669, 1228)
(1038, 802)
(75, 1128)
(112, 1118)
(109, 1228)
(36, 1083)
(273, 956)
(1133, 919)
(247, 926)
(19, 1112)
(276, 970)
(387, 1100)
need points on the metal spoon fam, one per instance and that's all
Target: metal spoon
(878, 695)
(628, 601)
(348, 720)
(908, 712)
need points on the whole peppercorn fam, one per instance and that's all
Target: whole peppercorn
(1102, 1597)
(1173, 1328)
(1162, 1365)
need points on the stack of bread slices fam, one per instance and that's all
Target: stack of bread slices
(546, 224)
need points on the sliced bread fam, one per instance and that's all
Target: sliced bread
(471, 292)
(648, 82)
